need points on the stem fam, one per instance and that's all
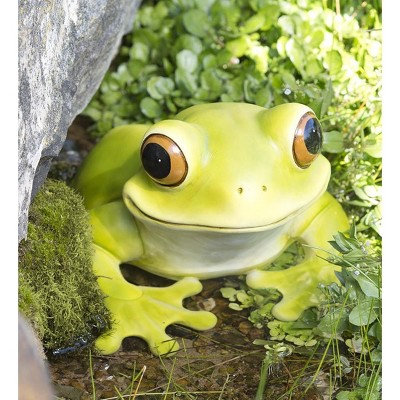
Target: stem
(263, 377)
(91, 375)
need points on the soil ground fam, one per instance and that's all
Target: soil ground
(221, 363)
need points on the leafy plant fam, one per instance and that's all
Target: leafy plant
(274, 354)
(185, 52)
(351, 314)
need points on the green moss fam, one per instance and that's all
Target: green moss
(58, 291)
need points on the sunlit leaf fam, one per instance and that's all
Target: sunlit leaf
(333, 61)
(373, 145)
(296, 54)
(187, 60)
(253, 24)
(196, 22)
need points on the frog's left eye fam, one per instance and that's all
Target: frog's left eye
(163, 160)
(307, 141)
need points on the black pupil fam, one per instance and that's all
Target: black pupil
(313, 136)
(156, 161)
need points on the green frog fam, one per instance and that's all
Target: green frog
(222, 189)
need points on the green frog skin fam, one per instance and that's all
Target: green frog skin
(220, 190)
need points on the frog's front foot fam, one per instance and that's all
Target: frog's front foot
(299, 286)
(149, 315)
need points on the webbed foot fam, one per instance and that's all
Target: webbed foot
(298, 286)
(149, 315)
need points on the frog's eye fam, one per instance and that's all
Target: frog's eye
(163, 160)
(307, 141)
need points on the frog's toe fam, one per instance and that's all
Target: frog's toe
(199, 320)
(286, 312)
(109, 342)
(299, 286)
(149, 315)
(291, 309)
(162, 345)
(187, 287)
(175, 293)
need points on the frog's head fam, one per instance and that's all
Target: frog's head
(229, 166)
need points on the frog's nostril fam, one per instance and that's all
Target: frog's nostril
(240, 190)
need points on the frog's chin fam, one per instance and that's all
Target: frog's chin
(146, 218)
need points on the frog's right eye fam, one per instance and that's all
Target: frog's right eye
(307, 141)
(163, 160)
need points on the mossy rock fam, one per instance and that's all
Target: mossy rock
(58, 292)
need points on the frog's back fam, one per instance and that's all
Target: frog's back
(109, 165)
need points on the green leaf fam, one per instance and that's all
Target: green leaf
(313, 67)
(229, 293)
(92, 112)
(140, 52)
(254, 23)
(333, 142)
(281, 46)
(296, 54)
(371, 194)
(341, 243)
(111, 97)
(186, 81)
(209, 61)
(235, 306)
(346, 395)
(373, 145)
(150, 108)
(368, 284)
(159, 87)
(135, 68)
(234, 88)
(327, 98)
(289, 80)
(335, 322)
(316, 38)
(123, 74)
(187, 60)
(363, 313)
(259, 54)
(373, 219)
(238, 47)
(196, 22)
(263, 97)
(287, 25)
(210, 82)
(189, 42)
(333, 61)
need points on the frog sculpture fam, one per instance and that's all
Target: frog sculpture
(221, 189)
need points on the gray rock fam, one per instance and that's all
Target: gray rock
(33, 375)
(64, 49)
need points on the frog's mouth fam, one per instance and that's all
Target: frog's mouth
(141, 215)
